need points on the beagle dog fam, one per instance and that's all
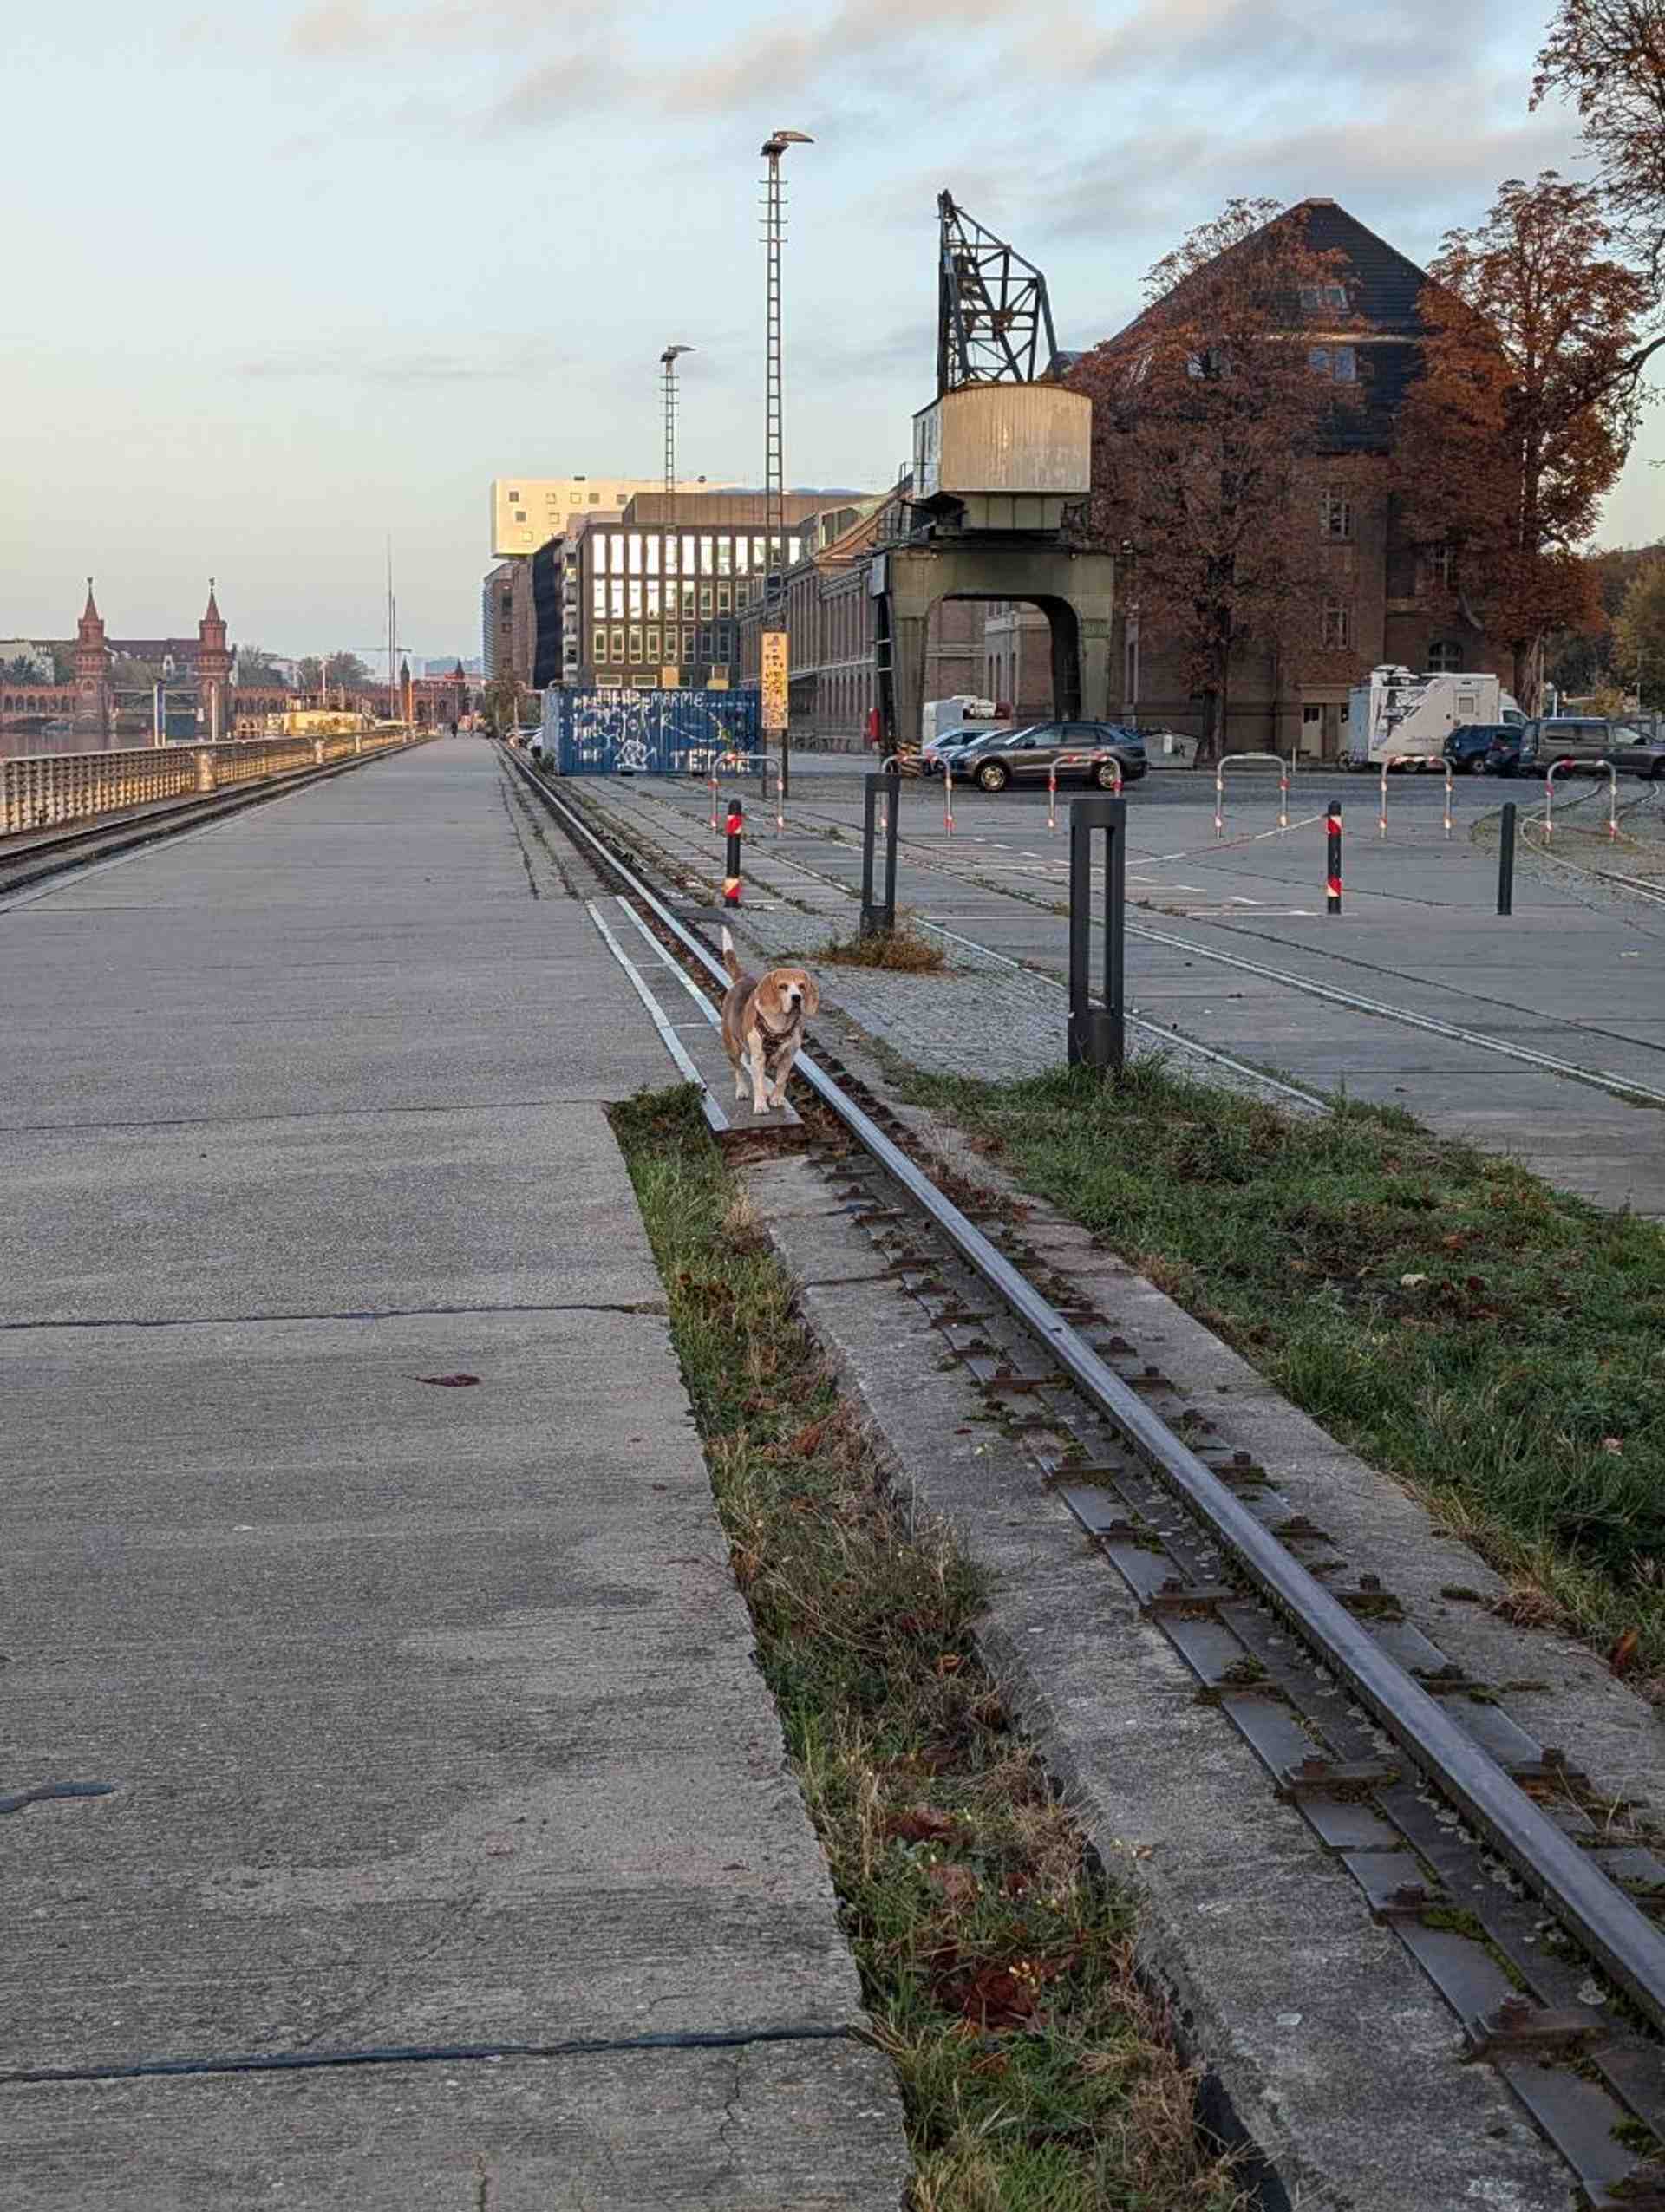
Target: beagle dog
(763, 1026)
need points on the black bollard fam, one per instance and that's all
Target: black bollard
(1333, 841)
(885, 792)
(1097, 1031)
(1506, 859)
(731, 866)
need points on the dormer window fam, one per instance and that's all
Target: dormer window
(1315, 297)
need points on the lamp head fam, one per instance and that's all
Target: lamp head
(776, 144)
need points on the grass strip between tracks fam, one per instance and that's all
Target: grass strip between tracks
(1454, 1319)
(996, 1965)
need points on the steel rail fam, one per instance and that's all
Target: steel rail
(1613, 1929)
(1602, 1079)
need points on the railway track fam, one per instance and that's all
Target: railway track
(1459, 1826)
(1614, 1082)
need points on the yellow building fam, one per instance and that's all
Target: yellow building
(528, 511)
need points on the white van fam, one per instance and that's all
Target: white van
(1403, 720)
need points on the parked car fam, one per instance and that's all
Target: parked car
(1084, 751)
(1466, 749)
(1638, 752)
(934, 749)
(1577, 740)
(1503, 755)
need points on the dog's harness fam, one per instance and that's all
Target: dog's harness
(775, 1040)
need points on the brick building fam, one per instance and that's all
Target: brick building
(1386, 597)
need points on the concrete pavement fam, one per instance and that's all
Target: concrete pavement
(429, 1707)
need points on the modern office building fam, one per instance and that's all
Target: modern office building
(655, 599)
(528, 511)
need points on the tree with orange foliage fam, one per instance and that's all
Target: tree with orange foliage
(1608, 57)
(1207, 413)
(1521, 420)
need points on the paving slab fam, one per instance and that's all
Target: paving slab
(770, 2128)
(360, 1549)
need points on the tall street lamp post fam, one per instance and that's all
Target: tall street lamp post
(776, 672)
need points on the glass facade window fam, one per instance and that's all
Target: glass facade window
(651, 555)
(794, 551)
(705, 598)
(757, 556)
(687, 645)
(687, 599)
(636, 599)
(619, 645)
(671, 544)
(653, 644)
(655, 588)
(633, 543)
(615, 558)
(725, 556)
(616, 608)
(705, 557)
(636, 645)
(725, 597)
(600, 544)
(598, 597)
(742, 555)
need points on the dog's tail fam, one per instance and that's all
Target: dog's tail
(728, 959)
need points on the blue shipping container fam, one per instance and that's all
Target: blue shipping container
(650, 733)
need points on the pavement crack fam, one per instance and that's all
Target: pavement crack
(656, 1306)
(420, 2054)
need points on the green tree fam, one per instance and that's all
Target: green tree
(501, 703)
(1639, 635)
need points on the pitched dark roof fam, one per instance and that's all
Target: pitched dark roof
(1382, 284)
(1387, 284)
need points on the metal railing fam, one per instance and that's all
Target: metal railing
(1240, 759)
(45, 790)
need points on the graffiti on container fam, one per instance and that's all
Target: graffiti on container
(650, 733)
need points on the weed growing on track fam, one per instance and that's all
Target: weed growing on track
(996, 1966)
(1453, 1317)
(902, 949)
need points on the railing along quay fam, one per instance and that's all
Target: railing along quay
(43, 790)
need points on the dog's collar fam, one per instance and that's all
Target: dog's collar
(779, 1036)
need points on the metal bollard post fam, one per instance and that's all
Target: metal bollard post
(1506, 859)
(1381, 806)
(1052, 797)
(1333, 844)
(714, 794)
(1447, 799)
(881, 804)
(1219, 802)
(1282, 798)
(731, 865)
(1098, 1035)
(947, 797)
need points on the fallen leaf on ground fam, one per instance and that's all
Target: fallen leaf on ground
(1622, 1657)
(957, 1883)
(449, 1382)
(919, 1824)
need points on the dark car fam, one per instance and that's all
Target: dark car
(1503, 755)
(1466, 749)
(1638, 752)
(1084, 751)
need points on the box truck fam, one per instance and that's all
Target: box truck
(1404, 719)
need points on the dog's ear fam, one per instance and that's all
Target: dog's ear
(812, 998)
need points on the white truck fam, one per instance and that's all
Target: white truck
(964, 716)
(1403, 719)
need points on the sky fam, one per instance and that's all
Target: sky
(298, 275)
